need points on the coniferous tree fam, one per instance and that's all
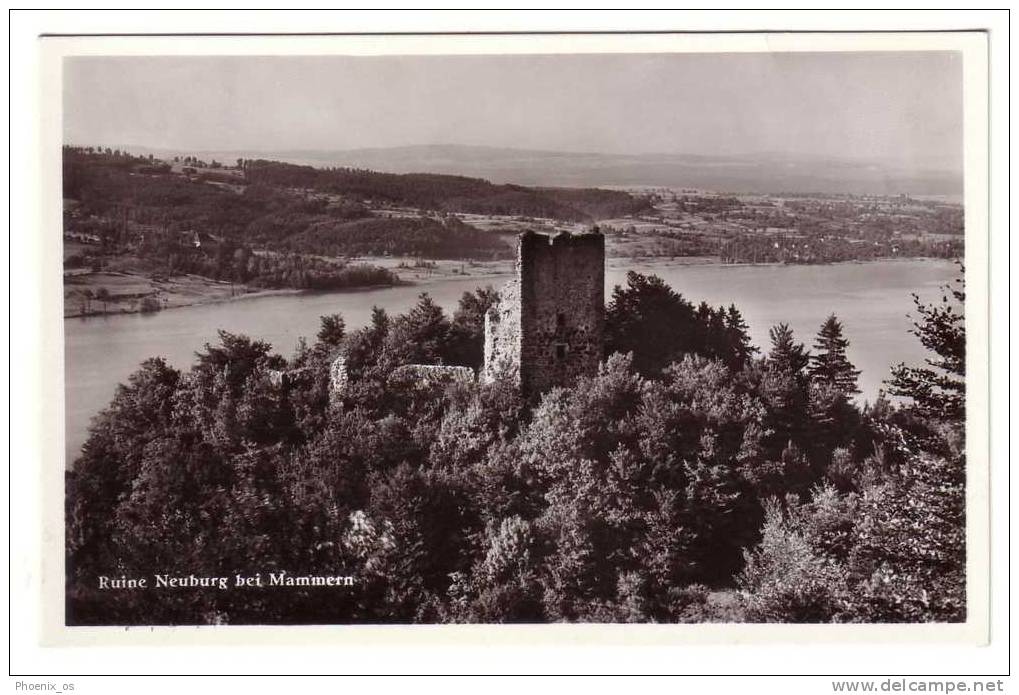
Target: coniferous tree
(333, 329)
(362, 348)
(829, 365)
(939, 390)
(784, 387)
(786, 354)
(419, 336)
(653, 322)
(740, 346)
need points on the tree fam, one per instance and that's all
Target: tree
(505, 582)
(99, 481)
(909, 543)
(658, 326)
(419, 336)
(939, 390)
(103, 295)
(787, 578)
(333, 330)
(363, 348)
(740, 347)
(235, 359)
(782, 382)
(86, 300)
(829, 365)
(786, 354)
(467, 330)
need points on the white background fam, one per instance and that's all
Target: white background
(32, 361)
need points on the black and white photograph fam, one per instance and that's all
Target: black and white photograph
(688, 332)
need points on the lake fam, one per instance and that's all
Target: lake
(871, 299)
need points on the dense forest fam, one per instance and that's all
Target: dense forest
(450, 193)
(695, 477)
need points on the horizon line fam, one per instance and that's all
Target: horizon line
(729, 156)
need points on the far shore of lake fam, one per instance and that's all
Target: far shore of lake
(128, 289)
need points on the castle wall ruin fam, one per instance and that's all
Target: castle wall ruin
(548, 327)
(431, 374)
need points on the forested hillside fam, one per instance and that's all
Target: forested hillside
(693, 478)
(450, 193)
(122, 201)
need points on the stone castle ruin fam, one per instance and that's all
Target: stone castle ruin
(548, 326)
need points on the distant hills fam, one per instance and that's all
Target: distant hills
(449, 193)
(759, 173)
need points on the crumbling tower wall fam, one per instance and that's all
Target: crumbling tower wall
(503, 335)
(548, 328)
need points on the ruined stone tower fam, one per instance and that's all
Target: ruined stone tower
(548, 326)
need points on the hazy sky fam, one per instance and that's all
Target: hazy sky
(901, 108)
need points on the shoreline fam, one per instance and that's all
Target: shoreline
(713, 261)
(193, 290)
(440, 271)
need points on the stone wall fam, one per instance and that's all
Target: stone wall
(338, 376)
(285, 379)
(503, 336)
(424, 375)
(431, 374)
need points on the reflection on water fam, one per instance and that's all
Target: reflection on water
(871, 300)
